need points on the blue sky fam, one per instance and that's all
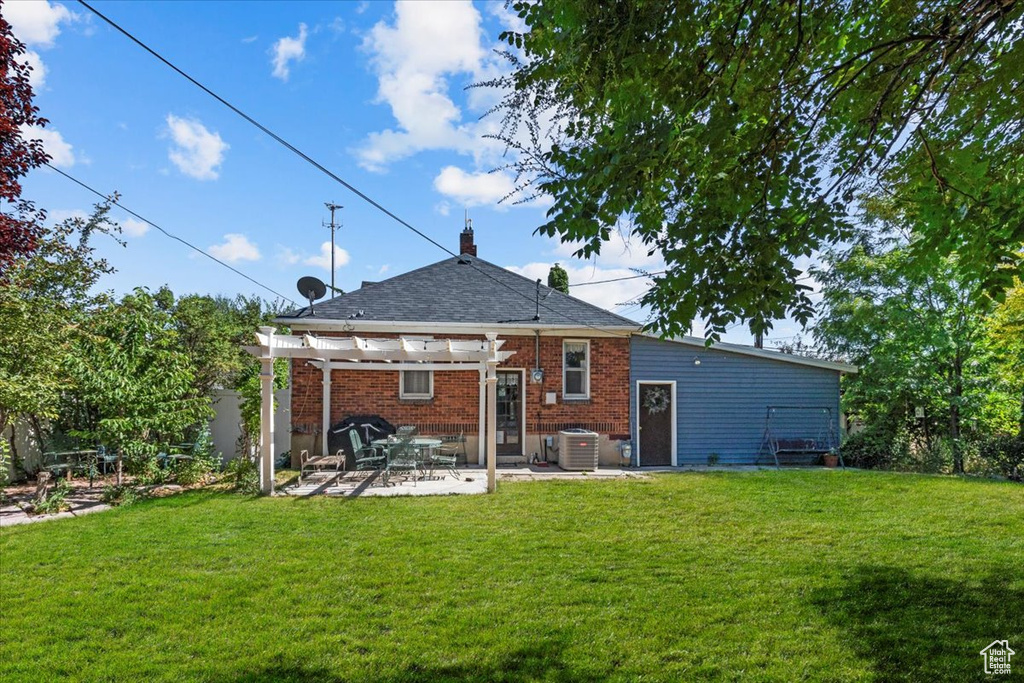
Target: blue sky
(375, 91)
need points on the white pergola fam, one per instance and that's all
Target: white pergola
(393, 355)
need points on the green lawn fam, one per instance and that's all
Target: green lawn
(792, 575)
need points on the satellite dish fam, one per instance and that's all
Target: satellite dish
(312, 288)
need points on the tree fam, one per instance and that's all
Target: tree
(134, 387)
(21, 225)
(915, 336)
(558, 279)
(1004, 340)
(44, 298)
(736, 137)
(212, 330)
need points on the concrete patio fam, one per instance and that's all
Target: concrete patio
(472, 480)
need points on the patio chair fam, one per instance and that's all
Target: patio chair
(401, 459)
(406, 431)
(366, 457)
(453, 444)
(320, 462)
(105, 459)
(446, 458)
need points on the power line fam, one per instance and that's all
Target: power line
(167, 233)
(320, 167)
(618, 279)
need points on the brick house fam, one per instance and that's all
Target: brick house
(571, 366)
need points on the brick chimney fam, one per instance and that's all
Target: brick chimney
(466, 245)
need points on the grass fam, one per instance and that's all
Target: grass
(792, 575)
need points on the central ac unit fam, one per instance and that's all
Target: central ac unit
(577, 449)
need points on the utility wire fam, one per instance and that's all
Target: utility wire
(330, 174)
(617, 279)
(168, 234)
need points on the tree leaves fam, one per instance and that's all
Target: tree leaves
(735, 136)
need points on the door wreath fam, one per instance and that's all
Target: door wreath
(656, 400)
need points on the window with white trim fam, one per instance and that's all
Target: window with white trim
(575, 369)
(416, 384)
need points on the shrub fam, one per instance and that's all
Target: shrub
(147, 471)
(56, 501)
(874, 448)
(246, 475)
(1003, 454)
(125, 494)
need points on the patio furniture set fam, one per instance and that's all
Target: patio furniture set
(94, 461)
(402, 454)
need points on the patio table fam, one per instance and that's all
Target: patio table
(67, 461)
(422, 446)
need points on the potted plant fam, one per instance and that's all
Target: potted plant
(831, 458)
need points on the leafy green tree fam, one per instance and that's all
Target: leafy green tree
(134, 386)
(44, 298)
(736, 137)
(558, 279)
(1004, 339)
(916, 336)
(212, 330)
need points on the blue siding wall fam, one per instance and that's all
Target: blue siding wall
(721, 403)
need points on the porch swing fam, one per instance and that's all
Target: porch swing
(799, 435)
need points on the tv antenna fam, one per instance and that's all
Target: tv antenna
(332, 207)
(312, 288)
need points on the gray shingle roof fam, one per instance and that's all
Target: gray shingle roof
(461, 290)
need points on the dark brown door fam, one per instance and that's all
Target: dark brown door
(656, 411)
(510, 412)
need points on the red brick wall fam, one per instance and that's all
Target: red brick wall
(455, 404)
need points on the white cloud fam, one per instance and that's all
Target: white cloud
(607, 295)
(132, 227)
(250, 39)
(414, 58)
(37, 74)
(287, 50)
(473, 189)
(57, 216)
(36, 24)
(197, 152)
(287, 256)
(236, 247)
(323, 259)
(61, 152)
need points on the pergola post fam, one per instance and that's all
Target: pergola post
(481, 441)
(492, 412)
(326, 413)
(267, 414)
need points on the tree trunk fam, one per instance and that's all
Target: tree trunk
(954, 414)
(119, 457)
(17, 466)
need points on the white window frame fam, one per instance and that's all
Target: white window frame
(586, 371)
(401, 385)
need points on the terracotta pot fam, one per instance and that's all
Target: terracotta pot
(831, 460)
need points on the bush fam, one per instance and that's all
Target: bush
(56, 501)
(1003, 455)
(874, 448)
(147, 471)
(123, 495)
(246, 474)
